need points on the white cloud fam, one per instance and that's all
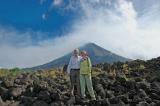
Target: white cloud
(17, 49)
(128, 13)
(44, 16)
(56, 2)
(112, 25)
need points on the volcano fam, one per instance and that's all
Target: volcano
(96, 53)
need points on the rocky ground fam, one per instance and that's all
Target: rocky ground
(28, 89)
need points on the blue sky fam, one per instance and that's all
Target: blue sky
(34, 32)
(27, 15)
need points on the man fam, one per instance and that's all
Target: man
(73, 70)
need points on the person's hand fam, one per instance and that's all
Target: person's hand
(68, 71)
(68, 74)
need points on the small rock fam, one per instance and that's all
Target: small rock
(40, 103)
(71, 101)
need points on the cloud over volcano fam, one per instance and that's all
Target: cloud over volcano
(121, 26)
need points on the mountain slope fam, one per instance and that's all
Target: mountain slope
(96, 53)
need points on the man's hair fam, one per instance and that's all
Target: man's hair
(76, 50)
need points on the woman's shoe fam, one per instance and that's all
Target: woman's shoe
(93, 98)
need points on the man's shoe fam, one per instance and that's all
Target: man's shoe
(71, 101)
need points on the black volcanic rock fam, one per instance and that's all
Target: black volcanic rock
(48, 92)
(30, 89)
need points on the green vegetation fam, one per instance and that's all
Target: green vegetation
(10, 72)
(116, 69)
(53, 73)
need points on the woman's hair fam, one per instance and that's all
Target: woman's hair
(84, 52)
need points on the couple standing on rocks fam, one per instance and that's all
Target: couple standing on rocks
(79, 69)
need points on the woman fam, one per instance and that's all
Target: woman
(85, 76)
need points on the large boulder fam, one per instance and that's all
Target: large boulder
(8, 82)
(100, 90)
(28, 101)
(39, 85)
(45, 96)
(15, 92)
